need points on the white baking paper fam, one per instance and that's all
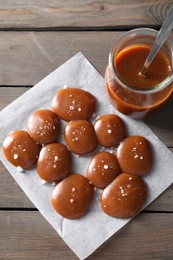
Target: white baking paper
(86, 234)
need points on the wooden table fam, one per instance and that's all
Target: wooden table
(35, 38)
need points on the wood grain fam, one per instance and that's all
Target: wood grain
(27, 235)
(27, 57)
(82, 14)
(11, 195)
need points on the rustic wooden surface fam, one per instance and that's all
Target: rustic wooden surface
(36, 38)
(82, 14)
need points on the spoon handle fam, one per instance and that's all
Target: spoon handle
(159, 41)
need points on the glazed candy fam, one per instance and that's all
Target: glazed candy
(73, 104)
(124, 197)
(73, 196)
(20, 149)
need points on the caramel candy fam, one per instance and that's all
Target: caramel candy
(124, 197)
(43, 126)
(72, 197)
(135, 155)
(110, 130)
(80, 137)
(103, 169)
(73, 104)
(20, 149)
(54, 162)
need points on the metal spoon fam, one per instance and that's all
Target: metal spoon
(159, 41)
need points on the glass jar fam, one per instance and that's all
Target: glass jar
(132, 100)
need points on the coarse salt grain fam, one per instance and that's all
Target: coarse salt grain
(43, 182)
(141, 157)
(109, 131)
(71, 108)
(56, 158)
(15, 156)
(73, 189)
(79, 109)
(19, 169)
(71, 200)
(128, 186)
(105, 166)
(136, 156)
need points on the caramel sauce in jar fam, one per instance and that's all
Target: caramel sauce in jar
(130, 92)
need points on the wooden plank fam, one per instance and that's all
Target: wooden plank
(12, 196)
(27, 57)
(27, 235)
(9, 94)
(89, 13)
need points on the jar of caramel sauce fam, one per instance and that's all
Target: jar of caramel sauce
(130, 92)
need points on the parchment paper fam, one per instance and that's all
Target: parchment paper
(83, 235)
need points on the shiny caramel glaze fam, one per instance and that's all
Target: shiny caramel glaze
(103, 169)
(43, 126)
(135, 155)
(20, 149)
(80, 137)
(54, 162)
(73, 104)
(124, 197)
(110, 130)
(72, 197)
(129, 63)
